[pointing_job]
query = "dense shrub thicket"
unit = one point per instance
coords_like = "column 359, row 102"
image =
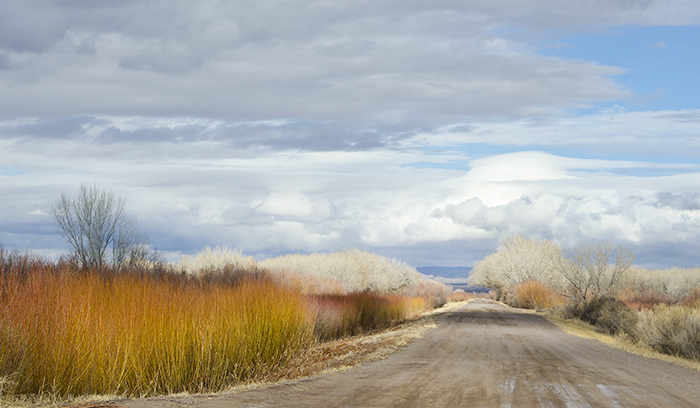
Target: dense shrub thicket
column 355, row 270
column 344, row 272
column 675, row 284
column 609, row 315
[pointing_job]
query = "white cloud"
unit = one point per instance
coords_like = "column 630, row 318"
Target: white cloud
column 202, row 190
column 518, row 167
column 296, row 205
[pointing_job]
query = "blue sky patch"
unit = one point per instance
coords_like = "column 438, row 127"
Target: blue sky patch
column 11, row 171
column 662, row 62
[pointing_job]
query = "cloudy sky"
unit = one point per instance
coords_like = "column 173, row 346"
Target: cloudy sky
column 421, row 130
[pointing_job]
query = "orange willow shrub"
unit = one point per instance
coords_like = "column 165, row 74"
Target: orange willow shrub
column 692, row 299
column 534, row 295
column 69, row 333
column 346, row 315
column 644, row 299
column 434, row 293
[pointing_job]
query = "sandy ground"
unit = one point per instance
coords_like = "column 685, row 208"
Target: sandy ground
column 482, row 355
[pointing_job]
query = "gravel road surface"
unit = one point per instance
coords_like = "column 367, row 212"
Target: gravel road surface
column 482, row 355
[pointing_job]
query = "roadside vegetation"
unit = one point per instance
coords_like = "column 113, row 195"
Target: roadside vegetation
column 114, row 319
column 597, row 284
column 201, row 325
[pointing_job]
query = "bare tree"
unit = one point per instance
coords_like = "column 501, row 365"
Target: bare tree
column 94, row 221
column 587, row 273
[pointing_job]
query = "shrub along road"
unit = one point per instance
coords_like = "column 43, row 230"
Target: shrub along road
column 482, row 355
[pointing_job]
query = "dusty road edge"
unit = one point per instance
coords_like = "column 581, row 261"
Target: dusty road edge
column 344, row 354
column 582, row 329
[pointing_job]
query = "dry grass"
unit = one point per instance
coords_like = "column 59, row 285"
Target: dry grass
column 332, row 356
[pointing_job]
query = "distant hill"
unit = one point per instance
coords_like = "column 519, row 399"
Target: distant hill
column 455, row 276
column 446, row 272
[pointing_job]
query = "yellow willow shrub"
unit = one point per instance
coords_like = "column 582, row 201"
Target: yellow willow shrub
column 73, row 334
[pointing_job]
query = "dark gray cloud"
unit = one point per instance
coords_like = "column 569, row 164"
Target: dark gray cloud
column 36, row 26
column 393, row 60
column 156, row 135
column 163, row 61
column 31, row 26
column 53, row 128
column 271, row 135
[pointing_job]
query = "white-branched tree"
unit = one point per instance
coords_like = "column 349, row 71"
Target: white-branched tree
column 95, row 224
column 583, row 273
column 593, row 270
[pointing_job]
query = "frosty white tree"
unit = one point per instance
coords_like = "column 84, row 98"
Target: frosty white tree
column 517, row 260
column 583, row 273
column 95, row 220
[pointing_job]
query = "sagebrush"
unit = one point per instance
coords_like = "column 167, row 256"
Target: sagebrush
column 672, row 330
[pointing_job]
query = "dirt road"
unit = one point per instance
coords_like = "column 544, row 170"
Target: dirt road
column 482, row 355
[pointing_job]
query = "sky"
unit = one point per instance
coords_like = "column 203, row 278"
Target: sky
column 421, row 130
